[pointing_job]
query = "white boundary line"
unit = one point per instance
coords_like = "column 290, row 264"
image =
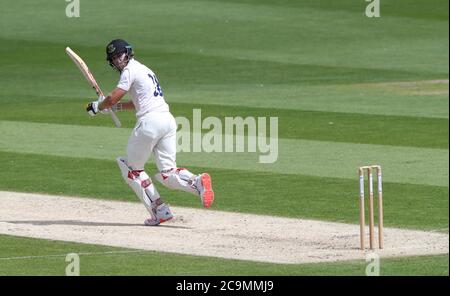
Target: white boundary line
column 81, row 254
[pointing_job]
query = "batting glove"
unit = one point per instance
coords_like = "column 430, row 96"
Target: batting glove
column 92, row 107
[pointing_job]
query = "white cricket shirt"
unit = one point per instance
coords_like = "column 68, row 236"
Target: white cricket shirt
column 143, row 86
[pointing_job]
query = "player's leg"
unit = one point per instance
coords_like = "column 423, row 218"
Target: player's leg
column 179, row 178
column 143, row 186
column 182, row 179
column 138, row 151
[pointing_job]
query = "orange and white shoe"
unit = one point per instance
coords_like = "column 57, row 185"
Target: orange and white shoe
column 204, row 186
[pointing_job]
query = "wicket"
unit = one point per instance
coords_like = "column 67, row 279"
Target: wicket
column 362, row 220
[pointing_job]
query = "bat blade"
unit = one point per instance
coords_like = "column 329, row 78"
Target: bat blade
column 78, row 61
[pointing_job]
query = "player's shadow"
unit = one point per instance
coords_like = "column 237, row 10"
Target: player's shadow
column 86, row 223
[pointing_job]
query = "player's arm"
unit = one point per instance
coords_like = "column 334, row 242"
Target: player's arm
column 113, row 98
column 111, row 101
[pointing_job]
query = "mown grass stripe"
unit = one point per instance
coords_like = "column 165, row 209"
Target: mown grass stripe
column 421, row 99
column 314, row 158
column 302, row 87
column 246, row 39
column 293, row 124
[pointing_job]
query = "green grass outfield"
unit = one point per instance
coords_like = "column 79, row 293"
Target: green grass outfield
column 348, row 90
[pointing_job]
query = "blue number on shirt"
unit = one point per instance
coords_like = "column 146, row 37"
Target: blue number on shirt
column 158, row 91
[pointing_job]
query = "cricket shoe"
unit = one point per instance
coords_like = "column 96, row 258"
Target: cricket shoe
column 151, row 222
column 204, row 186
column 160, row 215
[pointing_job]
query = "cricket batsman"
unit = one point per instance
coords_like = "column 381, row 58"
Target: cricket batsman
column 154, row 133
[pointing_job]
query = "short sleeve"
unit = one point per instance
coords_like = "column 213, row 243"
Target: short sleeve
column 125, row 80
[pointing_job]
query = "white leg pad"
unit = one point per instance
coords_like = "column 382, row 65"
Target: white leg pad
column 179, row 179
column 141, row 184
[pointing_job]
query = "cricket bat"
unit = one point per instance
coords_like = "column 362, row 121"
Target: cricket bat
column 90, row 78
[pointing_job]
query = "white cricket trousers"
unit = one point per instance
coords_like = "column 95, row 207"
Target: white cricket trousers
column 155, row 132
